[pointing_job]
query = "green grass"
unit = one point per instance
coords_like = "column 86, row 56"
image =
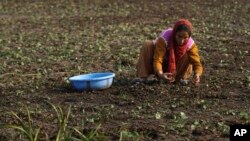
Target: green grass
column 25, row 127
column 64, row 133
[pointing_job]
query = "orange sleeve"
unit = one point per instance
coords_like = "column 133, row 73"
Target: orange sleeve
column 159, row 53
column 195, row 59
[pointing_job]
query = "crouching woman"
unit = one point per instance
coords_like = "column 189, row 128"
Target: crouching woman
column 173, row 56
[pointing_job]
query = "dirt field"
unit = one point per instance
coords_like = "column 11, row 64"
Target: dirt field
column 43, row 43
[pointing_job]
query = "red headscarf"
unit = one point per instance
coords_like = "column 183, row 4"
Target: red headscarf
column 176, row 51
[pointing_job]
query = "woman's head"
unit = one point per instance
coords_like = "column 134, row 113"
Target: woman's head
column 182, row 31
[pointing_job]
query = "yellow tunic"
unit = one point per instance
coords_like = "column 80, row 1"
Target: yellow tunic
column 160, row 52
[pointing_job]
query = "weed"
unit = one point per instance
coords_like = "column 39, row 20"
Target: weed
column 127, row 134
column 64, row 133
column 26, row 128
column 92, row 135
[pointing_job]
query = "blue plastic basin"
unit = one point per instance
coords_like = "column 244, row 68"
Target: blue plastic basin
column 92, row 81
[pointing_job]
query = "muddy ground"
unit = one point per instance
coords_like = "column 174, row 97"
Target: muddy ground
column 43, row 43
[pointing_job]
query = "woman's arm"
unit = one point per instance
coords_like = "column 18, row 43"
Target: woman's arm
column 159, row 53
column 195, row 60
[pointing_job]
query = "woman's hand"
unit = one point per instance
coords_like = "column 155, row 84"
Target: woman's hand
column 196, row 79
column 166, row 76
